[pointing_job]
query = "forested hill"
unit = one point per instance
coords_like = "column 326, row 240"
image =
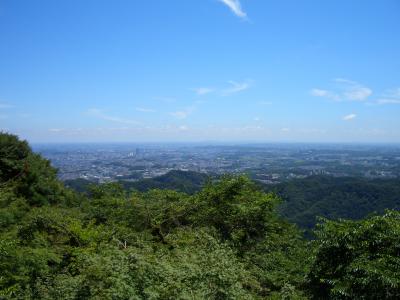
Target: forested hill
column 225, row 242
column 181, row 181
column 335, row 197
column 303, row 200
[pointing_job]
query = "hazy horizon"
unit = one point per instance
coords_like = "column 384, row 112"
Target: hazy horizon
column 223, row 144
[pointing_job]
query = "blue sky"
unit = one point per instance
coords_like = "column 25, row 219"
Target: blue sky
column 200, row 70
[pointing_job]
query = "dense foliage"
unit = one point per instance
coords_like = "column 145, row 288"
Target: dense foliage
column 225, row 242
column 182, row 181
column 357, row 260
column 303, row 199
column 335, row 197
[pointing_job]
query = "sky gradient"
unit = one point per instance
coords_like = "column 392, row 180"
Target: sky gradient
column 200, row 70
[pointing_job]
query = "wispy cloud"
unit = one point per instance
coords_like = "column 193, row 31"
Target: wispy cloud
column 349, row 117
column 354, row 91
column 346, row 90
column 264, row 102
column 101, row 115
column 183, row 128
column 390, row 97
column 146, row 110
column 236, row 87
column 324, row 93
column 203, row 90
column 183, row 114
column 388, row 101
column 4, row 106
column 180, row 114
column 395, row 93
column 319, row 93
column 235, row 7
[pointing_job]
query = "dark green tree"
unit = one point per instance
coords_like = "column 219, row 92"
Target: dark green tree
column 28, row 174
column 13, row 157
column 357, row 259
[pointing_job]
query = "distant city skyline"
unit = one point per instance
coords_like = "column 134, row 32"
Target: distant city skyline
column 200, row 71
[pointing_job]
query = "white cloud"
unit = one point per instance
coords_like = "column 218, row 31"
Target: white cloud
column 101, row 115
column 353, row 91
column 180, row 114
column 143, row 109
column 183, row 114
column 394, row 93
column 390, row 97
column 349, row 117
column 285, row 129
column 203, row 90
column 236, row 87
column 183, row 128
column 346, row 90
column 235, row 7
column 319, row 93
column 358, row 93
column 325, row 93
column 388, row 101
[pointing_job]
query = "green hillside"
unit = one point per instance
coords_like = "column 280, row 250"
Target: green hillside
column 331, row 197
column 303, row 200
column 181, row 181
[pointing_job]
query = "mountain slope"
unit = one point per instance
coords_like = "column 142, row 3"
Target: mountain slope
column 333, row 198
column 182, row 181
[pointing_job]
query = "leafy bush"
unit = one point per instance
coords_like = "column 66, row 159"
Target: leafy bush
column 357, row 259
